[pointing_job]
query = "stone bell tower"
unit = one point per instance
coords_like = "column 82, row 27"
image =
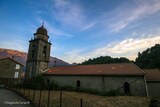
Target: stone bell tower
column 38, row 53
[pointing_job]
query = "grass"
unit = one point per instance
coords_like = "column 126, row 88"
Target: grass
column 72, row 99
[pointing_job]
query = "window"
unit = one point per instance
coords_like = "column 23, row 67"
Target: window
column 126, row 88
column 16, row 74
column 44, row 52
column 17, row 66
column 48, row 81
column 30, row 71
column 34, row 46
column 78, row 83
column 33, row 52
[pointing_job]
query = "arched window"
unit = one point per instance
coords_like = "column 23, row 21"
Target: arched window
column 48, row 81
column 78, row 83
column 34, row 46
column 33, row 52
column 126, row 88
column 44, row 52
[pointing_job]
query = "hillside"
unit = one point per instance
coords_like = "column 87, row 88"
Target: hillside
column 22, row 57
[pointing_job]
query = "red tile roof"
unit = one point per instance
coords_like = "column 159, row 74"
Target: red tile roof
column 11, row 60
column 101, row 69
column 152, row 74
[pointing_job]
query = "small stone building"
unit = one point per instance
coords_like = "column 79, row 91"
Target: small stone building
column 9, row 68
column 153, row 82
column 126, row 78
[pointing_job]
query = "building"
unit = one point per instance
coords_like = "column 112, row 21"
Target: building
column 153, row 82
column 9, row 68
column 38, row 53
column 126, row 78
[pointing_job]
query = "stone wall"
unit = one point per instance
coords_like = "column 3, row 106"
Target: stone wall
column 153, row 88
column 8, row 68
column 103, row 83
column 137, row 84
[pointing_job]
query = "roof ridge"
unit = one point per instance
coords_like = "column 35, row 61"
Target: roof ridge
column 93, row 64
column 12, row 60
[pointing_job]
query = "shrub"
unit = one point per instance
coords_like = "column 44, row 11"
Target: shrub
column 38, row 82
column 53, row 85
column 154, row 102
column 112, row 93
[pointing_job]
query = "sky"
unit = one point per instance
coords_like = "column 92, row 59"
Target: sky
column 82, row 29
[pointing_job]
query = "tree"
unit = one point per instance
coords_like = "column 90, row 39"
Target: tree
column 150, row 58
column 104, row 60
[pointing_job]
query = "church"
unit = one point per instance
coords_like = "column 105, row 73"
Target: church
column 127, row 78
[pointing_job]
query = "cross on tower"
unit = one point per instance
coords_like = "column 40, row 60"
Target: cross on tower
column 43, row 23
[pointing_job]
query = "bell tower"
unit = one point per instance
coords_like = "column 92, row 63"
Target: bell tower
column 38, row 53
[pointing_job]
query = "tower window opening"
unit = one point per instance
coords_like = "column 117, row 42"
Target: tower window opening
column 33, row 52
column 44, row 51
column 34, row 46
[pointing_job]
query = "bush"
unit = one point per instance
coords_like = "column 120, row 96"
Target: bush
column 53, row 86
column 112, row 93
column 90, row 91
column 154, row 102
column 37, row 82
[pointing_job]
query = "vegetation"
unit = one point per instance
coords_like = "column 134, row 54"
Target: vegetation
column 154, row 102
column 150, row 58
column 105, row 60
column 90, row 91
column 37, row 82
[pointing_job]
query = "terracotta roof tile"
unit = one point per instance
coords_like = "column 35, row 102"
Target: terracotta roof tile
column 101, row 69
column 152, row 74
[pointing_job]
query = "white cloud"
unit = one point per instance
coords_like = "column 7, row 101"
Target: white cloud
column 127, row 48
column 61, row 2
column 126, row 14
column 71, row 15
column 90, row 25
column 68, row 13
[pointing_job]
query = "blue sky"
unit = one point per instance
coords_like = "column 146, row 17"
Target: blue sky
column 82, row 29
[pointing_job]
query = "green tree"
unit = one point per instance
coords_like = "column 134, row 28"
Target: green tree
column 104, row 60
column 150, row 58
